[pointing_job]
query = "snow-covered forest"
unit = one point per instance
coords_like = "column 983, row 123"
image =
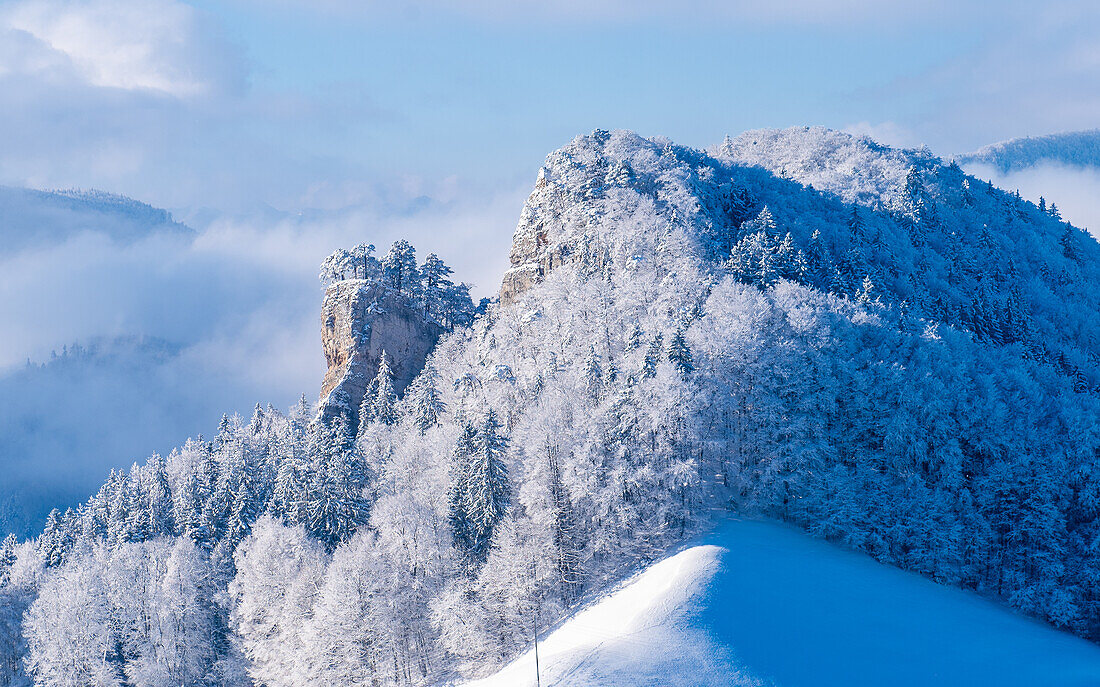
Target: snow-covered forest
column 797, row 325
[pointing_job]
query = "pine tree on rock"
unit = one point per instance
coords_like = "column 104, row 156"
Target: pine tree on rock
column 399, row 270
column 436, row 284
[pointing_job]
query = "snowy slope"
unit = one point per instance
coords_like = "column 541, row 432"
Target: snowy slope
column 794, row 611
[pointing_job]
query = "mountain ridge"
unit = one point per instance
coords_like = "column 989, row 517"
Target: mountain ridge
column 1076, row 148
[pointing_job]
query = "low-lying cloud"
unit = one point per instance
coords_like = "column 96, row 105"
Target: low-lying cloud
column 183, row 327
column 1075, row 189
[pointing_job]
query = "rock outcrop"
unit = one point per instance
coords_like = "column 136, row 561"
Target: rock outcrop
column 532, row 255
column 360, row 318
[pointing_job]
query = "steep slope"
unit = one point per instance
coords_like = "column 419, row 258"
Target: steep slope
column 360, row 321
column 755, row 603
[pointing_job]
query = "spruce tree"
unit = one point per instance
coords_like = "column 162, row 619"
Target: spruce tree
column 461, row 456
column 424, row 400
column 593, row 375
column 653, row 356
column 334, row 502
column 679, row 354
column 7, row 558
column 855, row 226
column 1070, row 248
column 158, row 497
column 384, row 404
column 486, row 485
column 50, row 542
column 819, row 264
column 290, row 484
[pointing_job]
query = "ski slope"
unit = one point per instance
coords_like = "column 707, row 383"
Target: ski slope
column 758, row 603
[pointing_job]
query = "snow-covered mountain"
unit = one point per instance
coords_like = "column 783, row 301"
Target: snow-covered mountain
column 1077, row 148
column 866, row 343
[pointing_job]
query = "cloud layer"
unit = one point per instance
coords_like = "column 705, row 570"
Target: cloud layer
column 150, row 45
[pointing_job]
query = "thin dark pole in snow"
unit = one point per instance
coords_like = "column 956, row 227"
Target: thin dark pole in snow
column 535, row 624
column 538, row 683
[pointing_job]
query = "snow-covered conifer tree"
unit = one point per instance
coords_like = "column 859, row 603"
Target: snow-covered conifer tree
column 424, row 400
column 487, row 489
column 384, row 404
column 679, row 353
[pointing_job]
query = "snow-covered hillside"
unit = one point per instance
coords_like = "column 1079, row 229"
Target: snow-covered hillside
column 29, row 217
column 1080, row 148
column 757, row 603
column 799, row 325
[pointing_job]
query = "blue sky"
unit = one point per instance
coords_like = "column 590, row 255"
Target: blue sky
column 231, row 104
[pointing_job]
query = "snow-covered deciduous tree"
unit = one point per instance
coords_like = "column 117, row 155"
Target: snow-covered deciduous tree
column 280, row 572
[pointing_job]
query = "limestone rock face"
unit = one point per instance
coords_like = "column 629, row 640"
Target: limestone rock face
column 359, row 320
column 537, row 246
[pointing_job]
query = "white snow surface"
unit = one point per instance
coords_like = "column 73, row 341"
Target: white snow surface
column 758, row 603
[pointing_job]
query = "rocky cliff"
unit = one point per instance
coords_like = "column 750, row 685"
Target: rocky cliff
column 532, row 255
column 360, row 318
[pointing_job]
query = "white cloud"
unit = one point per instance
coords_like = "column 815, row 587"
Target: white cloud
column 1075, row 189
column 157, row 45
column 240, row 304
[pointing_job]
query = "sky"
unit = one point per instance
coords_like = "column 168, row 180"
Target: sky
column 235, row 104
column 283, row 129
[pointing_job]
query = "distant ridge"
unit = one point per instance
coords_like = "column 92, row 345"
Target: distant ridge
column 31, row 217
column 1079, row 148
